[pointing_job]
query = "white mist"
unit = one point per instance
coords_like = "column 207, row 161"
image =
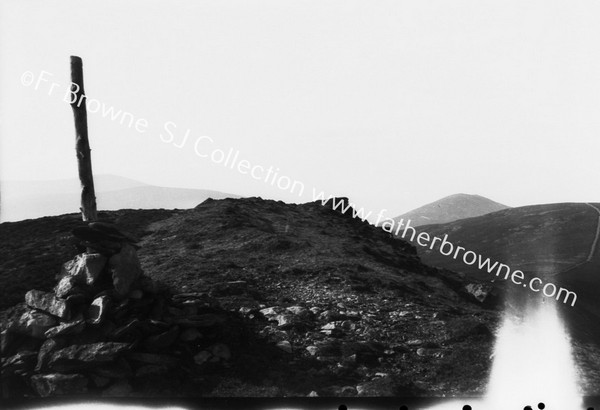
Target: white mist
column 533, row 362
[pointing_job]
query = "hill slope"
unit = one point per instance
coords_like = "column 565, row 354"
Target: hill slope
column 541, row 239
column 451, row 208
column 367, row 304
column 557, row 242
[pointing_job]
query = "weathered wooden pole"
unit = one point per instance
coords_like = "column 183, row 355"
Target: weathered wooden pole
column 82, row 143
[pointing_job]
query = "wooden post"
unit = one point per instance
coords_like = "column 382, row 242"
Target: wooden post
column 82, row 144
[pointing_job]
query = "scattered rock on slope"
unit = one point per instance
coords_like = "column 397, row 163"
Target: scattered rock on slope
column 257, row 298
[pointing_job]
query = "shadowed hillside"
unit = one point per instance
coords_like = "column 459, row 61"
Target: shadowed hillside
column 545, row 239
column 327, row 303
column 556, row 242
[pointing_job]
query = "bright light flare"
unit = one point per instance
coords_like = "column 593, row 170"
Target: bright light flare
column 533, row 362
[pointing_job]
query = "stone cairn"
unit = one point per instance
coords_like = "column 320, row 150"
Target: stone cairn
column 107, row 329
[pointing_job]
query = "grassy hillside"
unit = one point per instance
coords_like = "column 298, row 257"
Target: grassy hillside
column 451, row 208
column 373, row 320
column 549, row 241
column 542, row 239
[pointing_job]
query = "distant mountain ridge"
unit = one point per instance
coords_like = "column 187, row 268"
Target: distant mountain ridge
column 33, row 199
column 451, row 208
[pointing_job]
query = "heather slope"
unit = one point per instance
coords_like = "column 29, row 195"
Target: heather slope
column 556, row 242
column 379, row 321
column 543, row 239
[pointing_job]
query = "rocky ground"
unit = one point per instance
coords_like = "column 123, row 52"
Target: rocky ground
column 243, row 297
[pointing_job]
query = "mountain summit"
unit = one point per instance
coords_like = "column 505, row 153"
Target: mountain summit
column 451, row 208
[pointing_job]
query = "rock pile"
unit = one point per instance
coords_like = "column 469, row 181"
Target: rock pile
column 106, row 329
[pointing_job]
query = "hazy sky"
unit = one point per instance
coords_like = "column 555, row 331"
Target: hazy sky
column 392, row 103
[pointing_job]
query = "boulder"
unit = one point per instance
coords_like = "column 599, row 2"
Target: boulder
column 72, row 327
column 269, row 312
column 77, row 357
column 66, row 286
column 34, row 323
column 300, row 311
column 423, row 351
column 331, row 316
column 5, row 341
column 479, row 291
column 249, row 312
column 285, row 345
column 125, row 268
column 97, row 310
column 285, row 321
column 348, row 391
column 332, row 329
column 48, row 303
column 57, row 384
column 379, row 387
column 21, row 363
column 312, row 350
column 274, row 335
column 86, row 268
column 45, row 353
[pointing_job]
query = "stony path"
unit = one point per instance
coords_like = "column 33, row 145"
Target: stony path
column 595, row 242
column 594, row 246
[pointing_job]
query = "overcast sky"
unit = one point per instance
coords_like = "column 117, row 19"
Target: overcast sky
column 392, row 103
